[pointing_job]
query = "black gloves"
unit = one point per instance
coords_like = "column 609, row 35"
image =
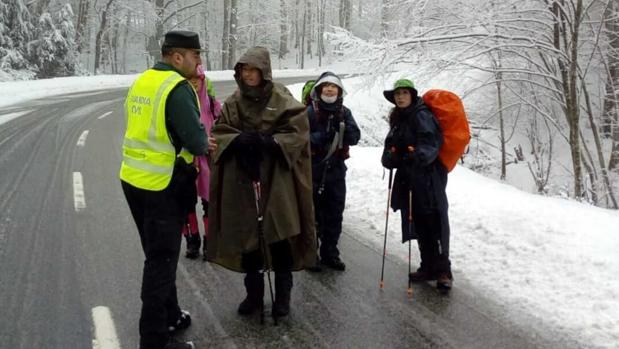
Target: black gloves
column 249, row 148
column 395, row 157
column 247, row 140
column 391, row 159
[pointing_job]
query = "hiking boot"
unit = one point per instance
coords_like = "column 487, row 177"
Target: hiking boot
column 204, row 249
column 283, row 287
column 444, row 281
column 179, row 345
column 316, row 267
column 183, row 321
column 193, row 246
column 254, row 285
column 421, row 275
column 334, row 263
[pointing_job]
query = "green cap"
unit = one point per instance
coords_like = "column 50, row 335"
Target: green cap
column 401, row 83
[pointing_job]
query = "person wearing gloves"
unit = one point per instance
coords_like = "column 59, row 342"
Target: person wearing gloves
column 210, row 108
column 260, row 212
column 411, row 147
column 332, row 131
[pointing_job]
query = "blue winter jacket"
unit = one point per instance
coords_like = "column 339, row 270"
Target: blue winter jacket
column 323, row 126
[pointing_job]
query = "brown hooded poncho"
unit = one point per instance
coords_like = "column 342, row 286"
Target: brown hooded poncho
column 285, row 177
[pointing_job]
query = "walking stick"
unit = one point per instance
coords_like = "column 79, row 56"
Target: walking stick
column 382, row 269
column 409, row 291
column 263, row 247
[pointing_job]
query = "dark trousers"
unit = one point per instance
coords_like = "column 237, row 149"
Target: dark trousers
column 329, row 213
column 281, row 255
column 426, row 228
column 158, row 216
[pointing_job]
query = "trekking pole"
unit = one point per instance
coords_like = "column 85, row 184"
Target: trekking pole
column 382, row 269
column 409, row 291
column 263, row 247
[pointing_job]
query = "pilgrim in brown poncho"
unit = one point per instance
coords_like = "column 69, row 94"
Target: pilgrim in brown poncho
column 263, row 117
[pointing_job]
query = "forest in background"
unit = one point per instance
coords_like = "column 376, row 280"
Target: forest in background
column 544, row 70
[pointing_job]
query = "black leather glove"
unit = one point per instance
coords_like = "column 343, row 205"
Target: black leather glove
column 269, row 144
column 408, row 156
column 247, row 140
column 391, row 159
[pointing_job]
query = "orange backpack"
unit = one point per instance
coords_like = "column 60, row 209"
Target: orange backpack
column 449, row 111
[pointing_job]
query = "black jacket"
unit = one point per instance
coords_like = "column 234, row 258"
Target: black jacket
column 411, row 147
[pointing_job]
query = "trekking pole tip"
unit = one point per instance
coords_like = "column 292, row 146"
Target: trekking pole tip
column 382, row 285
column 409, row 292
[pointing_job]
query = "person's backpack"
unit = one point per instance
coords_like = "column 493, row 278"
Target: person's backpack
column 449, row 111
column 306, row 92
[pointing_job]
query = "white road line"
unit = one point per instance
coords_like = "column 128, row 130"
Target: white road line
column 79, row 199
column 82, row 140
column 105, row 332
column 104, row 115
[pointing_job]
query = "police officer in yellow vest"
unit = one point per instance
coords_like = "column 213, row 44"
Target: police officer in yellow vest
column 163, row 131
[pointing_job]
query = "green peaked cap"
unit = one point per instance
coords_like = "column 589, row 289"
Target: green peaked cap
column 401, row 83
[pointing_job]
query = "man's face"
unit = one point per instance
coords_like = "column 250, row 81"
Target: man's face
column 251, row 76
column 329, row 89
column 186, row 61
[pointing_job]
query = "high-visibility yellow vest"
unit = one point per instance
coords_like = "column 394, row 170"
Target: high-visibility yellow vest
column 148, row 153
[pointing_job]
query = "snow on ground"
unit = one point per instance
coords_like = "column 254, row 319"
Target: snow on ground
column 18, row 91
column 552, row 259
column 549, row 258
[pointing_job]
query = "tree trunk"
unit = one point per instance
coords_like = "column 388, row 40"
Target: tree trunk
column 501, row 124
column 232, row 41
column 611, row 100
column 81, row 30
column 611, row 103
column 207, row 46
column 567, row 29
column 100, row 32
column 598, row 146
column 310, row 27
column 321, row 31
column 283, row 30
column 302, row 47
column 385, row 15
column 345, row 12
column 225, row 43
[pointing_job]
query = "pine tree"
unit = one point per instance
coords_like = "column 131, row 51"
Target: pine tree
column 15, row 32
column 54, row 51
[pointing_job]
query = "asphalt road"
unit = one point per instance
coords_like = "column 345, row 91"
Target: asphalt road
column 62, row 254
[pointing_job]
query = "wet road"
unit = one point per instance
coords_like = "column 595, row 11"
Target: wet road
column 63, row 254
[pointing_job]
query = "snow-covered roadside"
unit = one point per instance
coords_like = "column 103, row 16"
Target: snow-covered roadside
column 18, row 91
column 549, row 258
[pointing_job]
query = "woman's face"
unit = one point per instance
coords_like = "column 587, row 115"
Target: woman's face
column 251, row 76
column 402, row 97
column 329, row 89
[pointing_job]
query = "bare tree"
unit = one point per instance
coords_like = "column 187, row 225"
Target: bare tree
column 283, row 28
column 232, row 33
column 103, row 27
column 225, row 38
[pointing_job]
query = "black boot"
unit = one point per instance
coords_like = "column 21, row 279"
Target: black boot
column 193, row 246
column 283, row 287
column 204, row 248
column 254, row 285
